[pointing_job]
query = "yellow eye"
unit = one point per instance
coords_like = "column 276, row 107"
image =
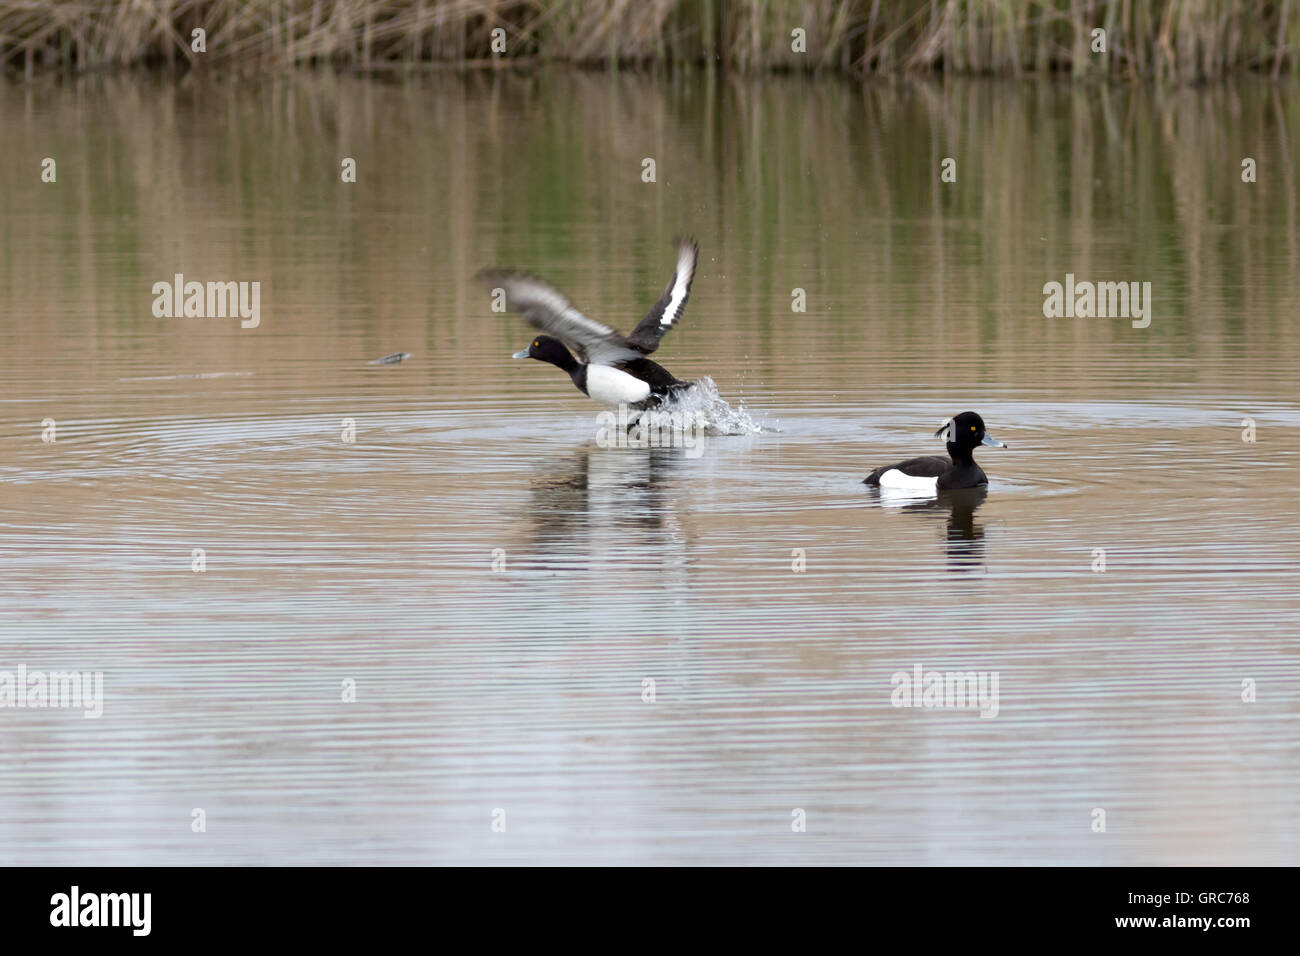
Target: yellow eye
column 972, row 428
column 537, row 344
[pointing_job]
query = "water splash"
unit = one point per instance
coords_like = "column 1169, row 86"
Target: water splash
column 703, row 402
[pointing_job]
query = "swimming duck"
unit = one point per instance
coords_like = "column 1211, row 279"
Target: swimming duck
column 934, row 473
column 606, row 365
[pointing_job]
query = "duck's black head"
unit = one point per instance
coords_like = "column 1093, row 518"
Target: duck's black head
column 547, row 349
column 965, row 432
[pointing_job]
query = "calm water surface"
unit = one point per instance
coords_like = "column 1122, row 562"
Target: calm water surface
column 521, row 688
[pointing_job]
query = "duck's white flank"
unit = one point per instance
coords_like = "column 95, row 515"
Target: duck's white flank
column 611, row 386
column 915, row 484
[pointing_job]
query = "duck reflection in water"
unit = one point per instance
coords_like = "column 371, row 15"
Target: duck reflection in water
column 964, row 537
column 597, row 503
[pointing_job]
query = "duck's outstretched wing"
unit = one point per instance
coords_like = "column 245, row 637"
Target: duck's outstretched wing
column 545, row 308
column 665, row 313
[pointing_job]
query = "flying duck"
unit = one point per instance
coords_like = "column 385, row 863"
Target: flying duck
column 606, row 365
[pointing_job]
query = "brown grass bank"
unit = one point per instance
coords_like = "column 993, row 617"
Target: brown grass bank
column 1170, row 40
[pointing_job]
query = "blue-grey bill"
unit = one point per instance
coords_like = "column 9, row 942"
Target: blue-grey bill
column 523, row 354
column 991, row 441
